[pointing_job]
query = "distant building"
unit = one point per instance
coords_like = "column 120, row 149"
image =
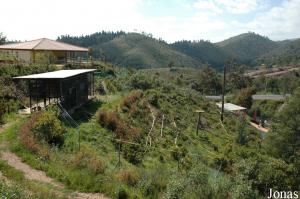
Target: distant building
column 231, row 107
column 44, row 49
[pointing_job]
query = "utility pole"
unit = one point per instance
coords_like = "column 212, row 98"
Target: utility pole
column 223, row 92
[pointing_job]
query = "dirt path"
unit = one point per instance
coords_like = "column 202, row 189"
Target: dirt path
column 29, row 173
column 32, row 174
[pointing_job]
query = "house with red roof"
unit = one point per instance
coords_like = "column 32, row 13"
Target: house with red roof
column 44, row 49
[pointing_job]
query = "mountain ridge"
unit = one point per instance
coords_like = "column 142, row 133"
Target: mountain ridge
column 143, row 51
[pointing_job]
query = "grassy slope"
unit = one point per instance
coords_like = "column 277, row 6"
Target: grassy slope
column 158, row 167
column 18, row 186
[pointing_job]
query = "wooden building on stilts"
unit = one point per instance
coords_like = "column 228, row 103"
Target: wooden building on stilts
column 69, row 88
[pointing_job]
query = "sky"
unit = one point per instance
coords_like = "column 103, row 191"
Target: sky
column 171, row 20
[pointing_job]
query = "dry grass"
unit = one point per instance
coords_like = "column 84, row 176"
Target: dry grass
column 87, row 159
column 129, row 100
column 129, row 177
column 112, row 121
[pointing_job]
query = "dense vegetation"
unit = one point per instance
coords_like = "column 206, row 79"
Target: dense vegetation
column 138, row 139
column 133, row 49
column 248, row 46
column 223, row 160
column 203, row 51
column 287, row 53
column 142, row 51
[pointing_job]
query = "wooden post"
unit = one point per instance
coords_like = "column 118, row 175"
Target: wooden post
column 30, row 95
column 199, row 118
column 48, row 87
column 36, row 93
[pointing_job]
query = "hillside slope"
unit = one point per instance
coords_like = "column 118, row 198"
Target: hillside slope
column 287, row 53
column 132, row 49
column 248, row 46
column 139, row 51
column 142, row 51
column 203, row 51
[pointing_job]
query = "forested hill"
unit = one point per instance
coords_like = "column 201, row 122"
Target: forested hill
column 142, row 51
column 204, row 51
column 287, row 52
column 248, row 46
column 133, row 49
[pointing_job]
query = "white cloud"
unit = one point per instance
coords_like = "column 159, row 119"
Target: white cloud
column 207, row 6
column 33, row 19
column 239, row 6
column 279, row 22
column 50, row 18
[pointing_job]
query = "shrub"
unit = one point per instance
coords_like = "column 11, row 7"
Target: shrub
column 87, row 159
column 141, row 82
column 122, row 193
column 154, row 181
column 11, row 191
column 47, row 127
column 2, row 111
column 111, row 121
column 133, row 153
column 129, row 177
column 175, row 189
column 26, row 136
column 129, row 100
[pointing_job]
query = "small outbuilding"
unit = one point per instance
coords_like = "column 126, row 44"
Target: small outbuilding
column 44, row 50
column 70, row 88
column 231, row 107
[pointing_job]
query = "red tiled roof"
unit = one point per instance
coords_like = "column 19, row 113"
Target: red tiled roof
column 43, row 44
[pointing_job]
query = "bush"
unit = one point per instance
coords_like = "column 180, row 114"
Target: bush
column 129, row 177
column 111, row 121
column 129, row 100
column 87, row 159
column 154, row 181
column 28, row 139
column 122, row 193
column 47, row 127
column 11, row 191
column 175, row 189
column 108, row 120
column 133, row 153
column 141, row 82
column 2, row 111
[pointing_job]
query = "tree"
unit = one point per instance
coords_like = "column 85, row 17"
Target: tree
column 2, row 38
column 171, row 64
column 243, row 97
column 285, row 131
column 236, row 78
column 49, row 128
column 283, row 141
column 209, row 81
column 241, row 128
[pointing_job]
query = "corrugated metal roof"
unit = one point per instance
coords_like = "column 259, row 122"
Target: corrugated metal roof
column 43, row 44
column 231, row 107
column 60, row 74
